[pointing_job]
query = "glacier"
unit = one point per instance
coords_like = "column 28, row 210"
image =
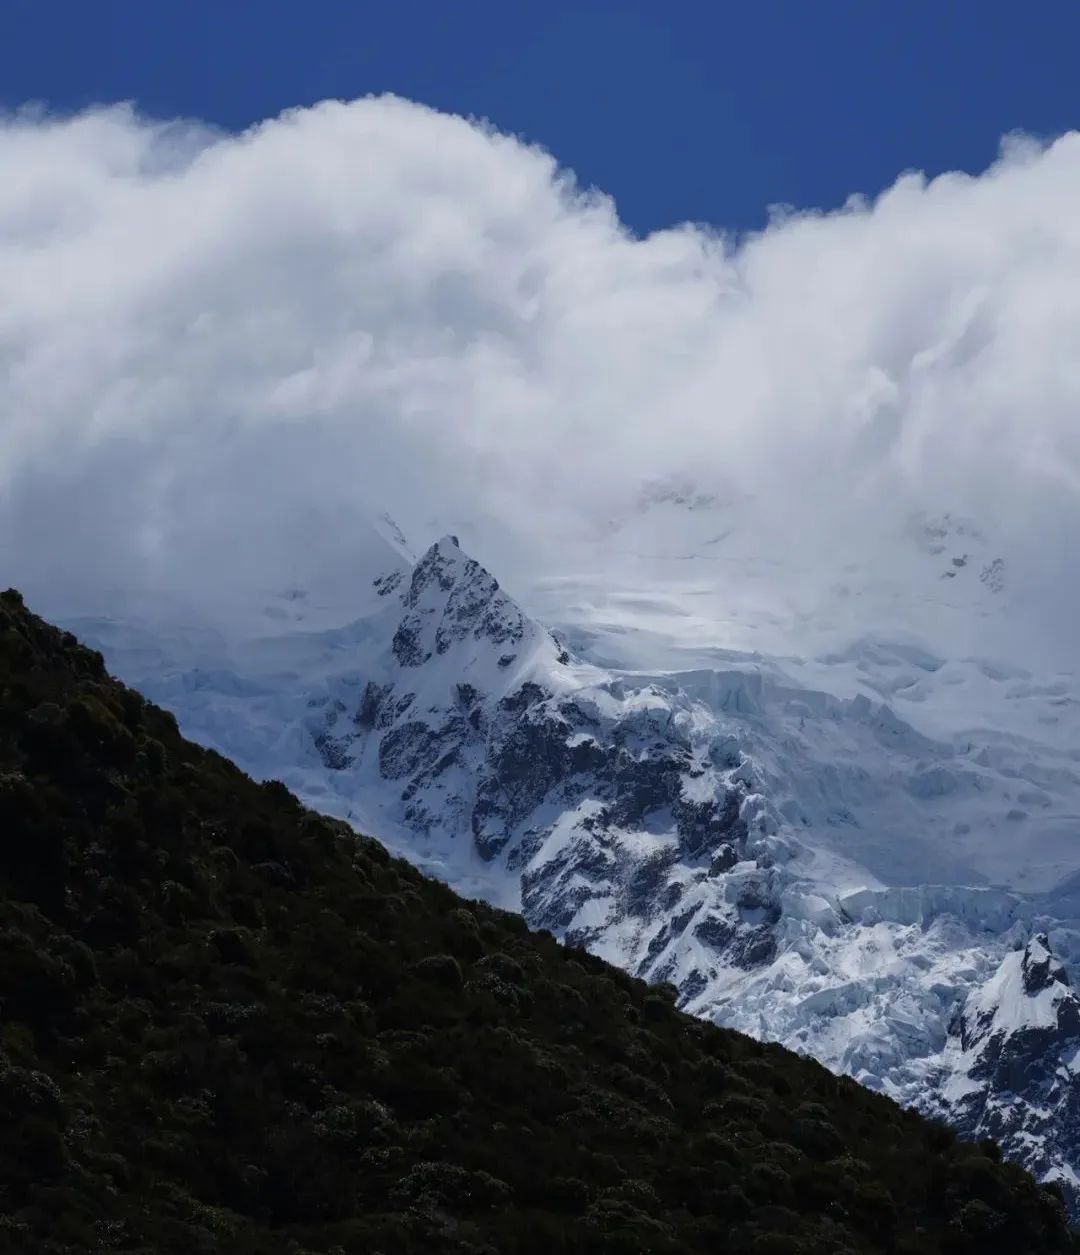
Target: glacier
column 866, row 850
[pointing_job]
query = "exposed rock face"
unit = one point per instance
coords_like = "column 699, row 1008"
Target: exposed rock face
column 616, row 808
column 1018, row 1079
column 451, row 599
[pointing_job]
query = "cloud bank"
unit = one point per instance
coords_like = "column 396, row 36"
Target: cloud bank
column 220, row 354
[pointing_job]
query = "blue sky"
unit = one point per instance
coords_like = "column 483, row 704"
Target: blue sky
column 702, row 111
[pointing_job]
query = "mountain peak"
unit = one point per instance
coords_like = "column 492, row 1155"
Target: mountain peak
column 452, row 600
column 1029, row 992
column 1040, row 966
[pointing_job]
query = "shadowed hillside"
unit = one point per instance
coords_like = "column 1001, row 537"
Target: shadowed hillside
column 230, row 1025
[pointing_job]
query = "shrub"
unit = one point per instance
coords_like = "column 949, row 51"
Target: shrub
column 440, row 969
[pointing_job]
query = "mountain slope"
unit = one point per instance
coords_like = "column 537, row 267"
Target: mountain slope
column 804, row 865
column 229, row 1024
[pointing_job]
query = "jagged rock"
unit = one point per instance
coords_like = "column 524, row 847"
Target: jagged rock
column 1020, row 1040
column 559, row 778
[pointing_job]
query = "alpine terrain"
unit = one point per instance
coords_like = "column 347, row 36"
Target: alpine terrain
column 868, row 854
column 230, row 1024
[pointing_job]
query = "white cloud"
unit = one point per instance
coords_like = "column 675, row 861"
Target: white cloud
column 219, row 353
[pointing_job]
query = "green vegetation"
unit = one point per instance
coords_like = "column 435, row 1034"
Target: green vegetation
column 230, row 1025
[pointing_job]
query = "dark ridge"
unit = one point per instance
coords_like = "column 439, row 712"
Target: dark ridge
column 230, row 1025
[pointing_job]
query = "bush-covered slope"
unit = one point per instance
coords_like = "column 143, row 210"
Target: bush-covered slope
column 230, row 1025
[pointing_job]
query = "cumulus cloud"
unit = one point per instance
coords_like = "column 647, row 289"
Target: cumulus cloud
column 221, row 354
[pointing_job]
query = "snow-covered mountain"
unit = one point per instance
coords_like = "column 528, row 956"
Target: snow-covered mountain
column 846, row 853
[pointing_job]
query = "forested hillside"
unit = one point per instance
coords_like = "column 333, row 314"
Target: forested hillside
column 230, row 1025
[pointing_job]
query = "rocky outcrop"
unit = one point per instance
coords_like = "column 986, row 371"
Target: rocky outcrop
column 1018, row 1080
column 616, row 807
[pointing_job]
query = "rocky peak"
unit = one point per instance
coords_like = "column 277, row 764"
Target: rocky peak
column 1040, row 969
column 452, row 599
column 1028, row 994
column 437, row 571
column 1019, row 1082
column 614, row 805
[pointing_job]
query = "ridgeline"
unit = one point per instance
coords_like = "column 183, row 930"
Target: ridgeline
column 228, row 1024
